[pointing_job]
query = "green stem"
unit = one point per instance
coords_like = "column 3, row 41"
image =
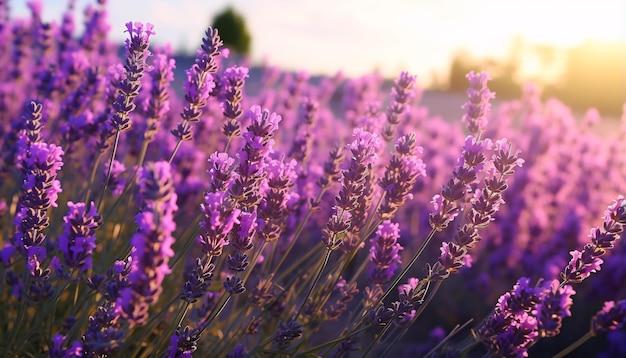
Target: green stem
column 22, row 309
column 333, row 342
column 417, row 315
column 216, row 313
column 180, row 141
column 106, row 182
column 318, row 275
column 574, row 345
column 408, row 267
column 299, row 230
column 172, row 326
column 92, row 177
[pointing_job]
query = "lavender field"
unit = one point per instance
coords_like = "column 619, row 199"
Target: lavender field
column 220, row 214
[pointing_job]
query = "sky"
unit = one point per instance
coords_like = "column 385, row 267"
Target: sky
column 360, row 36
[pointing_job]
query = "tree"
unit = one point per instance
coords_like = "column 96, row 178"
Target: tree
column 233, row 31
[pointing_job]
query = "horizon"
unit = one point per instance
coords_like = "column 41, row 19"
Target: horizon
column 328, row 37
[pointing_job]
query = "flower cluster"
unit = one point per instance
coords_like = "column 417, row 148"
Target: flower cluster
column 134, row 68
column 78, row 239
column 585, row 262
column 294, row 219
column 353, row 185
column 199, row 84
column 478, row 106
column 151, row 244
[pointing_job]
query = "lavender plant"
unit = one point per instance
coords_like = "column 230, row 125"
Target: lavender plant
column 310, row 218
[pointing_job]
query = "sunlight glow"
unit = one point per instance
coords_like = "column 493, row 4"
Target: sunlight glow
column 359, row 36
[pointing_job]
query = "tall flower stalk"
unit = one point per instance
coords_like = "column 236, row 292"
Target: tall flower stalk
column 198, row 86
column 137, row 54
column 151, row 244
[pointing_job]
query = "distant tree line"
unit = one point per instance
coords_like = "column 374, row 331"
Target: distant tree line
column 592, row 74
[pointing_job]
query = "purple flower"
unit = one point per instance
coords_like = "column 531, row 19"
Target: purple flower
column 221, row 171
column 134, row 68
column 365, row 146
column 453, row 193
column 384, row 253
column 231, row 93
column 116, row 181
column 477, row 107
column 158, row 104
column 239, row 352
column 401, row 94
column 407, row 289
column 40, row 190
column 585, row 262
column 301, row 146
column 220, row 216
column 554, row 306
column 287, row 333
column 199, row 83
column 346, row 293
column 259, row 143
column 400, row 176
column 58, row 351
column 217, row 214
column 611, row 317
column 511, row 328
column 234, row 285
column 151, row 243
column 274, row 207
column 184, row 342
column 78, row 239
column 241, row 238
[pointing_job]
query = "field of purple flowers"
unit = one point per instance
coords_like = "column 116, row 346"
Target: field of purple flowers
column 321, row 218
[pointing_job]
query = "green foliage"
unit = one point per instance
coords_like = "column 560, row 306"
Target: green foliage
column 233, row 31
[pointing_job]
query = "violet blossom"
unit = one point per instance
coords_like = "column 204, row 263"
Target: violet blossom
column 151, row 243
column 78, row 239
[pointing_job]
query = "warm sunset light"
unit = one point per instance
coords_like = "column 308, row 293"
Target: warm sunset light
column 357, row 36
column 313, row 178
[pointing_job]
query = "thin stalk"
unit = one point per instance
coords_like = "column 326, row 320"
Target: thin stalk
column 172, row 326
column 299, row 230
column 92, row 177
column 180, row 141
column 318, row 275
column 417, row 315
column 255, row 257
column 149, row 328
column 187, row 244
column 216, row 313
column 22, row 310
column 228, row 140
column 574, row 345
column 259, row 346
column 106, row 182
column 452, row 333
column 369, row 225
column 408, row 267
column 379, row 336
column 332, row 342
column 298, row 263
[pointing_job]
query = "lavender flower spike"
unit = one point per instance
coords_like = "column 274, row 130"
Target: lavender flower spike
column 583, row 263
column 151, row 243
column 40, row 191
column 199, row 84
column 477, row 107
column 384, row 253
column 134, row 68
column 78, row 239
column 612, row 316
